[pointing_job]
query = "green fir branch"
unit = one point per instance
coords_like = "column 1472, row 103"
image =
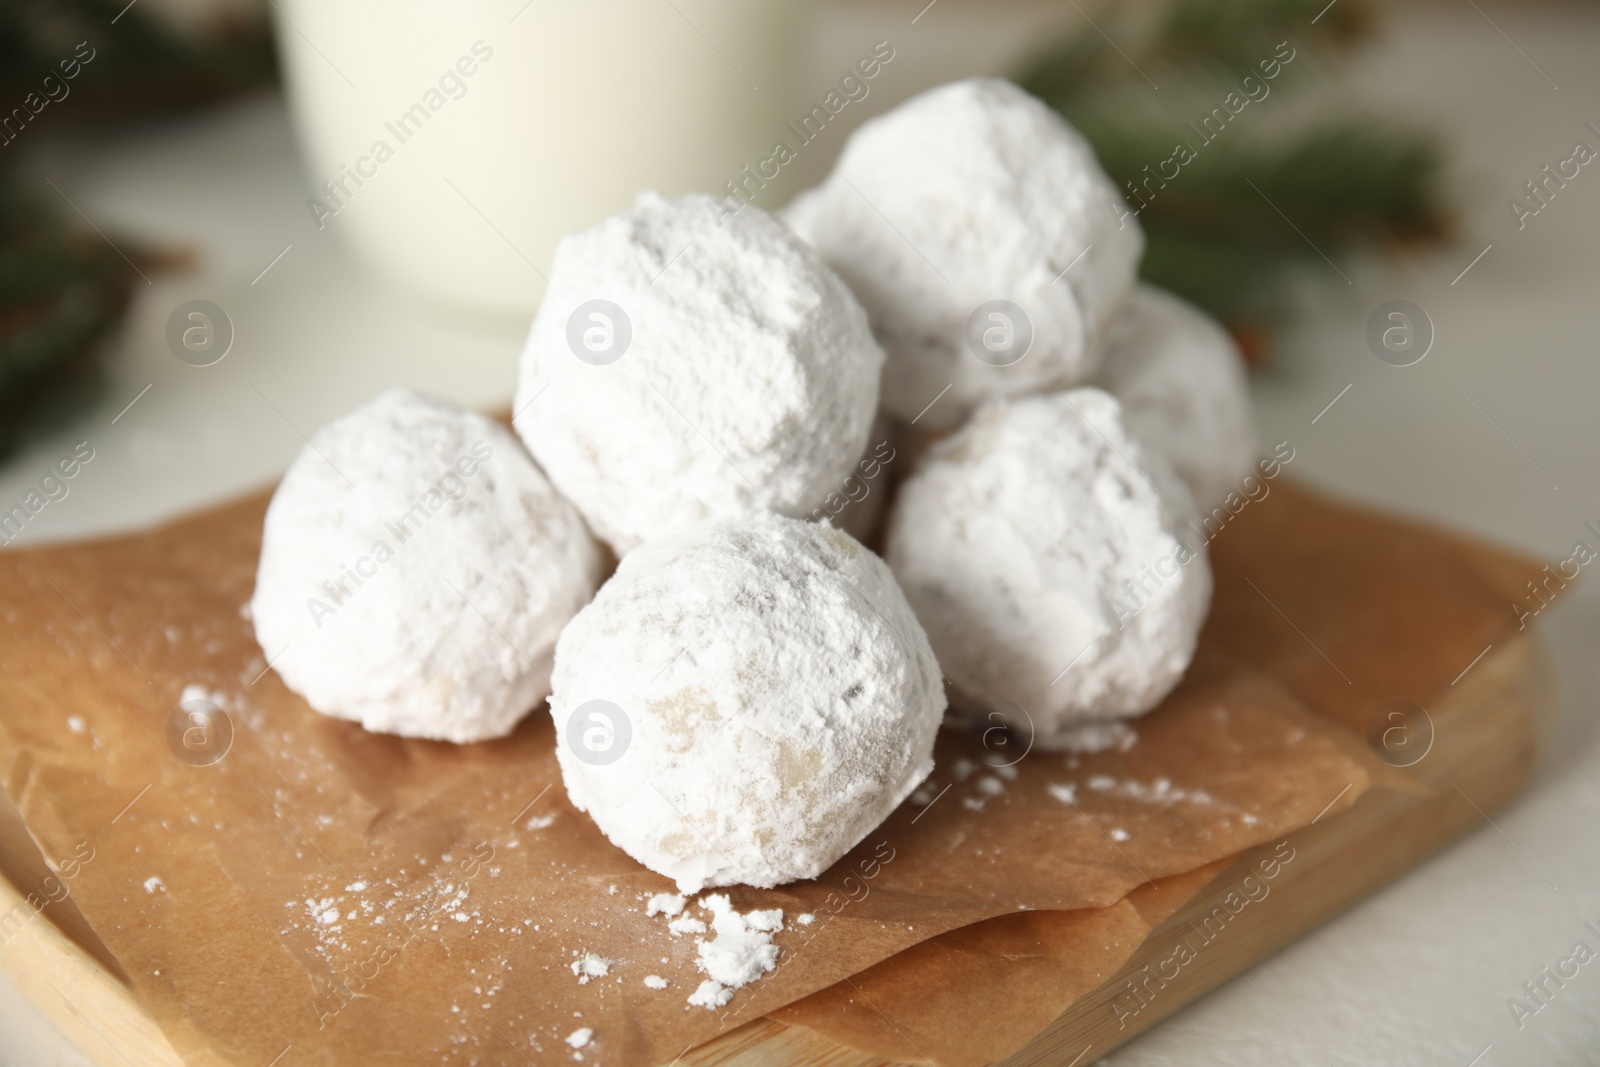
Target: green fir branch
column 1219, row 231
column 64, row 290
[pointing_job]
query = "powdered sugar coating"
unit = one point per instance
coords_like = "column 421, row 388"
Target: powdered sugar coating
column 748, row 383
column 782, row 701
column 974, row 192
column 1022, row 542
column 424, row 595
column 1182, row 385
column 859, row 503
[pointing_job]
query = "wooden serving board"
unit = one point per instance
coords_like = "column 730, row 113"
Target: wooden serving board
column 1487, row 729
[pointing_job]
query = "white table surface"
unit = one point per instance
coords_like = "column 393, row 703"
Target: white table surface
column 1494, row 432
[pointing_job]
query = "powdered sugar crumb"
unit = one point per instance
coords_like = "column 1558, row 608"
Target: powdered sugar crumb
column 1096, row 737
column 590, row 966
column 664, row 904
column 710, row 994
column 741, row 952
column 1159, row 791
column 200, row 692
column 655, row 981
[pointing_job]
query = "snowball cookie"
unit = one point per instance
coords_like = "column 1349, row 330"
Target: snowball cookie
column 1182, row 385
column 687, row 366
column 1050, row 573
column 423, row 596
column 744, row 702
column 952, row 212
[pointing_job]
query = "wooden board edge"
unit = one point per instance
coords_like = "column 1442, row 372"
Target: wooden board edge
column 89, row 1005
column 1486, row 745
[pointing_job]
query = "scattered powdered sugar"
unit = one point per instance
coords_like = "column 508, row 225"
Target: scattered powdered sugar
column 1160, row 792
column 200, row 692
column 741, row 952
column 154, row 883
column 323, row 911
column 805, row 919
column 1093, row 737
column 655, row 981
column 347, row 923
column 590, row 966
column 710, row 994
column 664, row 904
column 1119, row 834
column 75, row 724
column 781, row 700
column 580, row 1037
column 687, row 925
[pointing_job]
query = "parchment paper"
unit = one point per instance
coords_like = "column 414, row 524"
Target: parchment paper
column 324, row 895
column 975, row 994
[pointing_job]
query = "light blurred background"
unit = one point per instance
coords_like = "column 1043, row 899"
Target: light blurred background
column 187, row 160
